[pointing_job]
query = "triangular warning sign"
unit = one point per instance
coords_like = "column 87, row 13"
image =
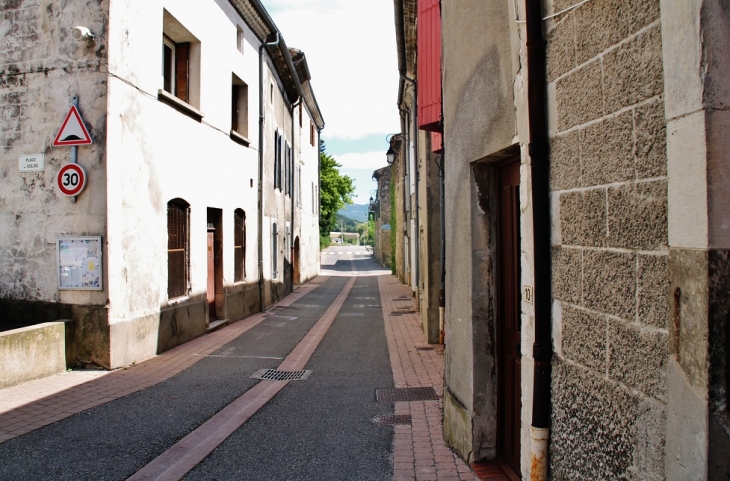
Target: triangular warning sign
column 73, row 131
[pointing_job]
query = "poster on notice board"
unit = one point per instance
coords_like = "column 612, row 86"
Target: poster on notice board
column 79, row 263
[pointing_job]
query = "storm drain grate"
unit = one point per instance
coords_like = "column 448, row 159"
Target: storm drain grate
column 391, row 419
column 424, row 348
column 406, row 394
column 276, row 375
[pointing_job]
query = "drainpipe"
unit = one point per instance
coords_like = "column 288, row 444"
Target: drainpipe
column 261, row 168
column 540, row 171
column 442, row 287
column 291, row 191
column 414, row 94
column 319, row 186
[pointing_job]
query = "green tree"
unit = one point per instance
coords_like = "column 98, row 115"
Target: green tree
column 335, row 191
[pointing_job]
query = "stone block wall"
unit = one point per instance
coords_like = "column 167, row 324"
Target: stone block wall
column 382, row 236
column 610, row 251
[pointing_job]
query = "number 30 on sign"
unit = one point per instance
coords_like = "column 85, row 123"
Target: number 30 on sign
column 71, row 179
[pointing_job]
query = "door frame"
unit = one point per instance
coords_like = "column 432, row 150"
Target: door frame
column 498, row 329
column 215, row 225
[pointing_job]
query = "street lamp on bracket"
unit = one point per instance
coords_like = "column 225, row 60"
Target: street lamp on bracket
column 390, row 154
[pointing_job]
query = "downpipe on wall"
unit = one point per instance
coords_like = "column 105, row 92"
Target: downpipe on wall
column 540, row 176
column 261, row 170
column 291, row 191
column 442, row 287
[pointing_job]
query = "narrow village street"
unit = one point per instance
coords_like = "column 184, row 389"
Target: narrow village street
column 195, row 412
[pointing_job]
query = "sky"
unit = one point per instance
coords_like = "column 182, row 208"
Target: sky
column 351, row 51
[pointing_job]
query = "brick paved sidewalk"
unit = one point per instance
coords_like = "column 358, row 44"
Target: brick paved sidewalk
column 420, row 452
column 35, row 404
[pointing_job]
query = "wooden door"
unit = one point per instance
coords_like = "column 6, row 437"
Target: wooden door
column 508, row 326
column 295, row 262
column 211, row 276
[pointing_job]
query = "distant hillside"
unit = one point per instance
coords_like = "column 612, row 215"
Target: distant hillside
column 359, row 212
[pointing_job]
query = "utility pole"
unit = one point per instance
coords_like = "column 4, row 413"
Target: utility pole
column 342, row 233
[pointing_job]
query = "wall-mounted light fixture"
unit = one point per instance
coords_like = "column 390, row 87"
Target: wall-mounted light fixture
column 81, row 33
column 390, row 154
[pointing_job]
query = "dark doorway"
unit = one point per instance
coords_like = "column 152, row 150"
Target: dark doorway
column 295, row 263
column 215, row 264
column 508, row 322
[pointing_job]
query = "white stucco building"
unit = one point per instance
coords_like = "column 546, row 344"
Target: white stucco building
column 199, row 113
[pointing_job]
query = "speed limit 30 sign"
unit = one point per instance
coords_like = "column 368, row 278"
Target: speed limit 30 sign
column 71, row 179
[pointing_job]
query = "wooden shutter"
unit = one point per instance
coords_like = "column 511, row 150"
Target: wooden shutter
column 429, row 65
column 182, row 51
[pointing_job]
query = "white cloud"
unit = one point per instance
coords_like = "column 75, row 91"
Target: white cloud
column 370, row 161
column 351, row 51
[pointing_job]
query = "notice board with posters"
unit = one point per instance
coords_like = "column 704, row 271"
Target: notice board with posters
column 79, row 263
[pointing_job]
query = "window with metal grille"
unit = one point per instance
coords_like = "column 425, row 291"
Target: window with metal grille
column 178, row 212
column 239, row 226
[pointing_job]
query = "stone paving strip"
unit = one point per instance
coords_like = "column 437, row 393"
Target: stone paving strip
column 419, row 450
column 35, row 404
column 174, row 463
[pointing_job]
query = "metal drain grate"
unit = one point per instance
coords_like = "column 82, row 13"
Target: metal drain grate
column 424, row 348
column 276, row 375
column 406, row 394
column 400, row 313
column 391, row 419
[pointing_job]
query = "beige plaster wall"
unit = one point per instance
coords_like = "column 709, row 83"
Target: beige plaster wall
column 479, row 121
column 42, row 67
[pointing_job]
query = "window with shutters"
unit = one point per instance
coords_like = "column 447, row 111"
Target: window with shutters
column 239, row 245
column 277, row 159
column 287, row 168
column 311, row 133
column 180, row 67
column 178, row 259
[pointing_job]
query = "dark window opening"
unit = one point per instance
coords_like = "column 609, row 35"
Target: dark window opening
column 239, row 106
column 178, row 212
column 239, row 221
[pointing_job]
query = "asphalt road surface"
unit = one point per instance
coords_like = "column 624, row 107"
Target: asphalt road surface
column 314, row 429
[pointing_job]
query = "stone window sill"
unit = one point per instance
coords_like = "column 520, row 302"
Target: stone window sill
column 179, row 105
column 238, row 138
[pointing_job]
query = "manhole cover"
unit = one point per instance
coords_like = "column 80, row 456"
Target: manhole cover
column 391, row 419
column 406, row 394
column 275, row 375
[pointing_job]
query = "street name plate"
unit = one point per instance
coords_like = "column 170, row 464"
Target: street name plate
column 32, row 163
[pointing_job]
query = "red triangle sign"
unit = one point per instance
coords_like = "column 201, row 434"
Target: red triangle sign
column 73, row 131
